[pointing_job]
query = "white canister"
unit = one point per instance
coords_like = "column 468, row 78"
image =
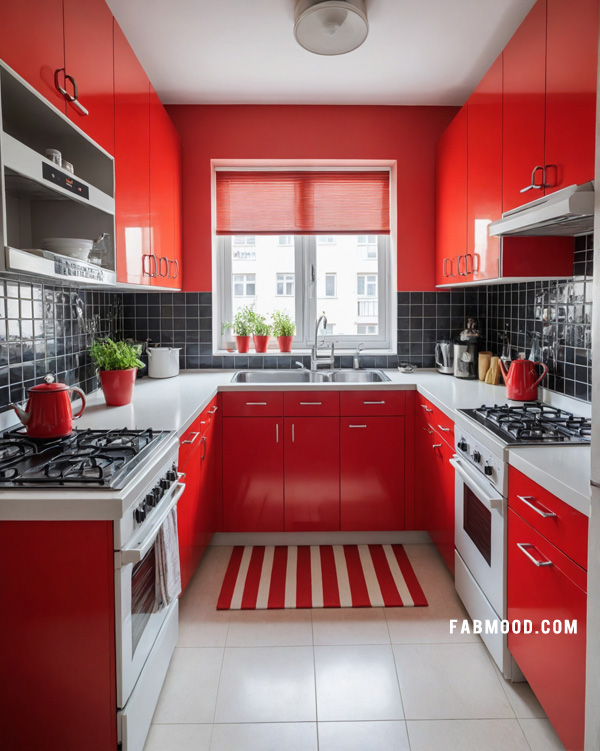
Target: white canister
column 163, row 362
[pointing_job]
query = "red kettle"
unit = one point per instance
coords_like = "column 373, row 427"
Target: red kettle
column 522, row 379
column 48, row 412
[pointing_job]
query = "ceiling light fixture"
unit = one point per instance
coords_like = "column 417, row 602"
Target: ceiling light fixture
column 331, row 27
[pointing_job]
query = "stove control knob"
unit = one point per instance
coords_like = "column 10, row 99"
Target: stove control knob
column 149, row 501
column 165, row 484
column 172, row 475
column 488, row 470
column 139, row 514
column 158, row 493
column 476, row 456
column 462, row 445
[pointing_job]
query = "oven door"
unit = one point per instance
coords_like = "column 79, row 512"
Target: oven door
column 480, row 531
column 139, row 618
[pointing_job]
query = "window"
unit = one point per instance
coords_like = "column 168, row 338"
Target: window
column 368, row 247
column 367, row 308
column 286, row 240
column 285, row 284
column 366, row 285
column 244, row 285
column 330, row 285
column 244, row 254
column 367, row 239
column 244, row 240
column 326, row 240
column 329, row 329
column 366, row 328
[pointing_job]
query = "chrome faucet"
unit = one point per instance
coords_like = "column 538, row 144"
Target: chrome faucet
column 356, row 359
column 317, row 360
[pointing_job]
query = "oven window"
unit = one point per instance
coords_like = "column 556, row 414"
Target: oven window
column 478, row 524
column 143, row 596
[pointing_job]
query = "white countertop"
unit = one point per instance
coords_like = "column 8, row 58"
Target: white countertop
column 174, row 403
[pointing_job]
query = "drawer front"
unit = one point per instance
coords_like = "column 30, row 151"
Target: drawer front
column 253, row 403
column 311, row 403
column 190, row 439
column 558, row 522
column 436, row 418
column 372, row 402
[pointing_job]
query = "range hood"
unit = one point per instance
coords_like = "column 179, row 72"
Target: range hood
column 569, row 212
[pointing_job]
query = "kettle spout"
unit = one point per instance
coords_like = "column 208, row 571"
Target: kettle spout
column 23, row 416
column 503, row 369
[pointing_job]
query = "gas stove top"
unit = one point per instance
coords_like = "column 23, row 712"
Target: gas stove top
column 532, row 424
column 99, row 458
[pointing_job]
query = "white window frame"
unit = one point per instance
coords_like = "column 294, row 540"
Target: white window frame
column 366, row 326
column 245, row 240
column 326, row 240
column 245, row 282
column 289, row 241
column 365, row 294
column 288, row 278
column 334, row 275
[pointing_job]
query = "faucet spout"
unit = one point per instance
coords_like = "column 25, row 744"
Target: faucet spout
column 316, row 359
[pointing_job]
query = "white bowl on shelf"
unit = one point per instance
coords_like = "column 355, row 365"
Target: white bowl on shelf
column 69, row 246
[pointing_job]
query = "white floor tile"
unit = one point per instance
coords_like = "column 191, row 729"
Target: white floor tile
column 521, row 697
column 363, row 736
column 281, row 736
column 357, row 683
column 267, row 684
column 541, row 736
column 178, row 738
column 202, row 625
column 270, row 628
column 337, row 626
column 189, row 693
column 466, row 735
column 449, row 681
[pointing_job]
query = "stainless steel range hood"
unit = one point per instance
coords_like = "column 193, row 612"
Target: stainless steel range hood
column 567, row 212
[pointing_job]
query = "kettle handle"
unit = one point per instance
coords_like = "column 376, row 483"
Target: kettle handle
column 544, row 372
column 438, row 349
column 82, row 395
column 503, row 369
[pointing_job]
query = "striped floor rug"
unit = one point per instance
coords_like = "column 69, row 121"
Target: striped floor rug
column 319, row 576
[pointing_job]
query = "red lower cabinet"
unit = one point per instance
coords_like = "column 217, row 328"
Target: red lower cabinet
column 253, row 474
column 549, row 589
column 312, row 473
column 371, row 473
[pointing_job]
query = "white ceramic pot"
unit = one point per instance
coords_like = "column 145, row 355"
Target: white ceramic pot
column 163, row 362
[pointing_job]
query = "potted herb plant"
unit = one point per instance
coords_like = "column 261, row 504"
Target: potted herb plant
column 243, row 326
column 117, row 363
column 261, row 332
column 284, row 329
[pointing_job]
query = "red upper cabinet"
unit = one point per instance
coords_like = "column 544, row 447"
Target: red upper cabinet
column 484, row 173
column 132, row 163
column 88, row 32
column 571, row 71
column 451, row 202
column 31, row 42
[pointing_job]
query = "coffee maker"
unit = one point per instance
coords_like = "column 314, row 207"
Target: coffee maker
column 444, row 356
column 465, row 351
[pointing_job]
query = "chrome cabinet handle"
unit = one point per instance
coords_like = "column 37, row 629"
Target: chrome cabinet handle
column 357, row 426
column 458, row 260
column 203, row 443
column 293, row 433
column 426, row 408
column 60, row 88
column 212, row 410
column 476, row 262
column 444, row 262
column 160, row 267
column 436, row 445
column 383, row 402
column 310, row 404
column 195, row 435
column 74, row 97
column 427, row 430
column 256, row 404
column 154, row 273
column 276, row 432
column 546, row 513
column 534, row 185
column 169, row 263
column 148, row 272
column 443, row 429
column 523, row 548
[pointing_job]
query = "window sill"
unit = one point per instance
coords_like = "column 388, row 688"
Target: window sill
column 302, row 352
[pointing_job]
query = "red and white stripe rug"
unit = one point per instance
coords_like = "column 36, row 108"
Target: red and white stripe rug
column 319, row 576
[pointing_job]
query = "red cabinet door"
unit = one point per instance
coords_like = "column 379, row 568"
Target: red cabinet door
column 571, row 72
column 88, row 29
column 484, row 178
column 312, row 474
column 31, row 42
column 132, row 163
column 440, row 488
column 253, row 474
column 187, row 510
column 371, row 473
column 524, row 91
column 451, row 202
column 553, row 663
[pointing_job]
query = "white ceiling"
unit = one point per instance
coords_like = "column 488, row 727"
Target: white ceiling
column 244, row 52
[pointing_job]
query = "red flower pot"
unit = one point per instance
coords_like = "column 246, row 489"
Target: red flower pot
column 285, row 343
column 118, row 386
column 243, row 343
column 260, row 342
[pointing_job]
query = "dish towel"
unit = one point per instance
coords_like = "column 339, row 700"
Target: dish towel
column 168, row 573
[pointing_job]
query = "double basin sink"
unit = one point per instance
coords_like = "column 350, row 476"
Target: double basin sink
column 310, row 376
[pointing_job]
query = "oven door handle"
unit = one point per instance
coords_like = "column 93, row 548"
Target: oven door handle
column 489, row 499
column 135, row 553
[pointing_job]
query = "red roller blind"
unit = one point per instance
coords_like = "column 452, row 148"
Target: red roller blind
column 306, row 203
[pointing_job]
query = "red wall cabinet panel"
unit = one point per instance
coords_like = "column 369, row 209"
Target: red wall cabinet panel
column 554, row 664
column 132, row 163
column 31, row 42
column 484, row 172
column 186, row 514
column 253, row 474
column 451, row 202
column 571, row 72
column 371, row 473
column 524, row 108
column 312, row 473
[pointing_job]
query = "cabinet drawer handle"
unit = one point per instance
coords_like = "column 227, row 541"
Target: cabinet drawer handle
column 523, row 548
column 533, row 185
column 357, row 426
column 374, row 402
column 176, row 263
column 542, row 511
column 276, row 432
column 212, row 410
column 195, row 435
column 443, row 429
column 203, row 443
column 293, row 433
column 427, row 409
column 310, row 404
column 427, row 430
column 256, row 404
column 436, row 445
column 74, row 98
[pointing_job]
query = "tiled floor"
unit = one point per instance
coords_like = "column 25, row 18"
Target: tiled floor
column 339, row 680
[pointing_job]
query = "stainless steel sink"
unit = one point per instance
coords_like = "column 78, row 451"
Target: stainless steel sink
column 358, row 376
column 278, row 376
column 307, row 376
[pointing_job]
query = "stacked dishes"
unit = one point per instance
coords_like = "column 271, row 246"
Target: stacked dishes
column 69, row 246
